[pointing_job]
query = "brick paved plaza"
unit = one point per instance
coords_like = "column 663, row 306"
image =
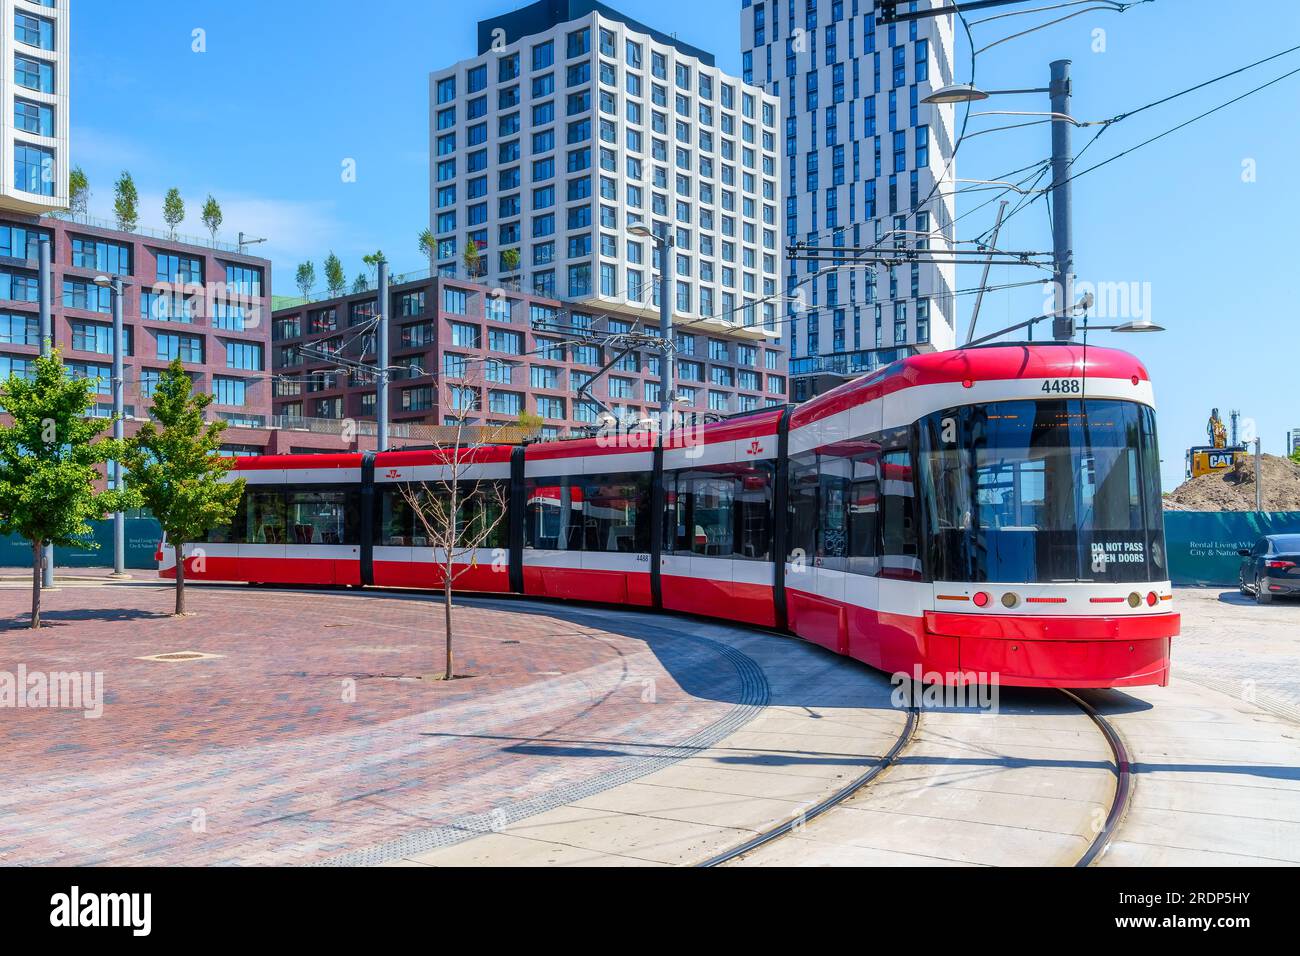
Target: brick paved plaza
column 310, row 735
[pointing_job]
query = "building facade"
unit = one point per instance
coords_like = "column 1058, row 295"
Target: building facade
column 490, row 356
column 34, row 41
column 208, row 306
column 574, row 123
column 862, row 156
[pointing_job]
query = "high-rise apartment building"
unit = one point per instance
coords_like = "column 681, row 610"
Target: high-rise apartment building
column 34, row 97
column 575, row 122
column 862, row 156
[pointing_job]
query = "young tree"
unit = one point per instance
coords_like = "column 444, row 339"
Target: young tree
column 126, row 202
column 176, row 470
column 373, row 261
column 173, row 211
column 510, row 263
column 48, row 462
column 428, row 247
column 212, row 216
column 335, row 281
column 473, row 260
column 78, row 193
column 459, row 514
column 305, row 278
column 360, row 283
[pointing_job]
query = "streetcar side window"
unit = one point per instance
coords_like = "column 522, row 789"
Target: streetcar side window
column 596, row 513
column 719, row 511
column 480, row 518
column 834, row 507
column 264, row 517
column 321, row 516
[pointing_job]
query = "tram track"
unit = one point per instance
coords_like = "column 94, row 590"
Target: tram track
column 1103, row 834
column 830, row 803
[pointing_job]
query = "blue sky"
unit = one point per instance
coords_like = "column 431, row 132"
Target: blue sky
column 286, row 91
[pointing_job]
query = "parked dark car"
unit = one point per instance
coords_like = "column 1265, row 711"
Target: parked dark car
column 1271, row 568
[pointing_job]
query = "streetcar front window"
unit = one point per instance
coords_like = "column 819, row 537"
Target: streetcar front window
column 1042, row 491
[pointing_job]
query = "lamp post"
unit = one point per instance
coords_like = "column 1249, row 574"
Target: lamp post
column 44, row 282
column 667, row 288
column 381, row 360
column 1062, row 155
column 114, row 286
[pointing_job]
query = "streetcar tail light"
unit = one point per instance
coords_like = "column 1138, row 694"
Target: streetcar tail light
column 1045, row 600
column 1152, row 599
column 968, row 384
column 981, row 599
column 1106, row 600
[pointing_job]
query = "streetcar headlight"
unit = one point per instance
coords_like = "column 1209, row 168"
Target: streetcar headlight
column 1010, row 600
column 1135, row 600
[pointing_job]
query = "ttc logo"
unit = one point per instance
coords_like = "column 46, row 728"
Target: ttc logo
column 393, row 473
column 754, row 448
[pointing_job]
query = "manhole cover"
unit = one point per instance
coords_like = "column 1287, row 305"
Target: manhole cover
column 181, row 656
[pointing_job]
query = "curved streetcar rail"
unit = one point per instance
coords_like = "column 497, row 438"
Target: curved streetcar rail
column 775, row 833
column 1123, row 781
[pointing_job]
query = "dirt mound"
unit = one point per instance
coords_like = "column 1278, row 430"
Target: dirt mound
column 1235, row 490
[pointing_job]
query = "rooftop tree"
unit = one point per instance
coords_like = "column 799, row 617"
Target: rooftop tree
column 212, row 216
column 175, row 468
column 173, row 211
column 78, row 193
column 305, row 278
column 335, row 280
column 49, row 462
column 126, row 202
column 428, row 247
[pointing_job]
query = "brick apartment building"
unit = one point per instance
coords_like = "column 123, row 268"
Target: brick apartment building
column 205, row 303
column 501, row 354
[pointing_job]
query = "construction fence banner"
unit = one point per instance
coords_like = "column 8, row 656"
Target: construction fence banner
column 1203, row 545
column 142, row 537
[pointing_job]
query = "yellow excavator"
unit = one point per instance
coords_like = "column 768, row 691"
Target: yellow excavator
column 1216, row 456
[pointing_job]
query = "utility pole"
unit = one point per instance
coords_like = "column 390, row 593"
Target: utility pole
column 1259, row 475
column 114, row 286
column 381, row 358
column 667, row 288
column 44, row 281
column 1062, row 226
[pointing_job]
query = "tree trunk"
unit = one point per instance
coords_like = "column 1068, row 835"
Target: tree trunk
column 36, row 584
column 180, row 578
column 446, row 595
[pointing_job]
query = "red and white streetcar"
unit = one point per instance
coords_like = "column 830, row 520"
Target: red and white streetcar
column 990, row 513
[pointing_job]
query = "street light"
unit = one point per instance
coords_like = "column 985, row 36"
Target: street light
column 1059, row 91
column 114, row 285
column 667, row 283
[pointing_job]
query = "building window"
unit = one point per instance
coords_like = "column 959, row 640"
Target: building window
column 17, row 328
column 454, row 301
column 244, row 355
column 229, row 391
column 32, row 117
column 188, row 348
column 113, row 258
column 178, row 268
column 34, row 169
column 98, row 337
column 244, row 280
column 34, row 31
column 34, row 74
column 82, row 294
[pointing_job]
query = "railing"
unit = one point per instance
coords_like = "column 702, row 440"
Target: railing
column 411, row 431
column 146, row 231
